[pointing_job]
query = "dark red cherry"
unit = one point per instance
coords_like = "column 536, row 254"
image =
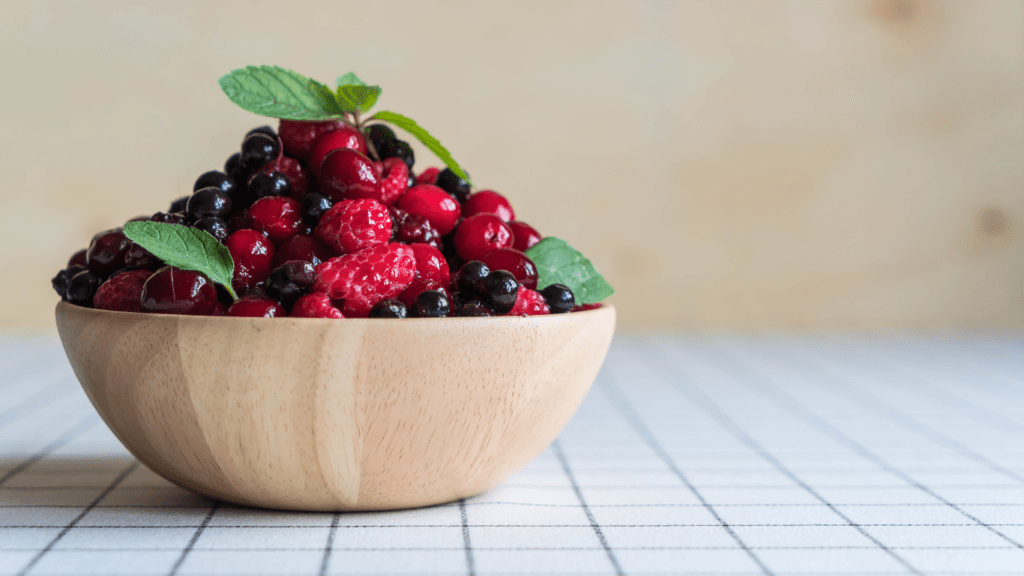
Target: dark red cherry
column 347, row 174
column 514, row 261
column 173, row 291
column 106, row 252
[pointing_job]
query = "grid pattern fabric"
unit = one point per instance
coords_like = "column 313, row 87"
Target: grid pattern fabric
column 715, row 455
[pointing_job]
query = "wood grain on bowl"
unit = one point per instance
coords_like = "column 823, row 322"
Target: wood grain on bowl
column 355, row 414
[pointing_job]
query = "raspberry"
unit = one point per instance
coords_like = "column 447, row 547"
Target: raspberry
column 529, row 303
column 419, row 286
column 302, row 247
column 366, row 277
column 488, row 202
column 524, row 235
column 315, row 305
column 352, row 225
column 122, row 292
column 480, row 234
column 298, row 136
column 430, row 264
column 293, row 171
column 428, row 176
column 514, row 261
column 394, row 180
column 253, row 255
column 432, row 203
column 278, row 217
column 255, row 307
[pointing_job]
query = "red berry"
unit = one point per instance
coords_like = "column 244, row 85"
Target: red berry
column 279, row 217
column 480, row 234
column 174, row 291
column 430, row 264
column 412, row 229
column 122, row 292
column 432, row 203
column 256, row 307
column 428, row 176
column 315, row 305
column 344, row 137
column 585, row 307
column 298, row 136
column 366, row 277
column 302, row 247
column 524, row 235
column 394, row 180
column 293, row 171
column 488, row 202
column 418, row 286
column 514, row 261
column 529, row 303
column 348, row 174
column 106, row 252
column 253, row 254
column 77, row 259
column 352, row 225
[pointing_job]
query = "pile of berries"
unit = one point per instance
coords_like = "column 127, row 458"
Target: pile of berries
column 324, row 220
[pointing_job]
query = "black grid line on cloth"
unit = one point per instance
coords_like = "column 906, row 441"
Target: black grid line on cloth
column 556, row 447
column 695, row 394
column 788, row 402
column 606, row 384
column 865, row 398
column 76, row 430
column 605, row 525
column 35, row 560
column 195, row 537
column 467, row 544
column 509, row 548
column 329, row 546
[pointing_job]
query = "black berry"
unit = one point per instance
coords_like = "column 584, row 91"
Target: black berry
column 559, row 298
column 208, row 202
column 290, row 280
column 389, row 309
column 217, row 227
column 431, row 304
column 397, row 149
column 271, row 183
column 470, row 277
column 262, row 130
column 179, row 204
column 378, row 134
column 257, row 150
column 313, row 205
column 214, row 178
column 172, row 218
column 60, row 284
column 451, row 183
column 500, row 289
column 82, row 287
column 233, row 168
column 473, row 309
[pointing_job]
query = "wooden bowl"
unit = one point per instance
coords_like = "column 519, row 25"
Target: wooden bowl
column 354, row 414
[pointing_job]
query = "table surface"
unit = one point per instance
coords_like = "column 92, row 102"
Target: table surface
column 890, row 454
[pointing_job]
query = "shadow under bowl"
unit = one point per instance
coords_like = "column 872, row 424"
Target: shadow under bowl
column 335, row 415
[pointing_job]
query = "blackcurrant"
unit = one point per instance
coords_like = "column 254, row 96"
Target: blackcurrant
column 500, row 289
column 473, row 309
column 470, row 277
column 559, row 298
column 397, row 149
column 451, row 183
column 179, row 204
column 257, row 150
column 431, row 304
column 289, row 281
column 82, row 287
column 271, row 183
column 389, row 309
column 214, row 178
column 313, row 205
column 217, row 227
column 208, row 202
column 262, row 130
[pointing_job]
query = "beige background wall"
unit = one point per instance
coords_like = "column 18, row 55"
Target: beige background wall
column 853, row 163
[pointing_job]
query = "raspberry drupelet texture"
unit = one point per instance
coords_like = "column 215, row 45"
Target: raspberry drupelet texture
column 366, row 277
column 315, row 305
column 394, row 180
column 123, row 292
column 529, row 303
column 353, row 225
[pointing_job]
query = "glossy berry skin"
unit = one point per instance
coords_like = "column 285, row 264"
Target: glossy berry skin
column 559, row 298
column 431, row 304
column 313, row 206
column 138, row 258
column 470, row 278
column 585, row 307
column 428, row 176
column 294, row 173
column 345, row 137
column 451, row 183
column 233, row 167
column 173, row 291
column 278, row 217
column 123, row 292
column 499, row 291
column 430, row 264
column 256, row 307
column 257, row 150
column 488, row 202
column 106, row 252
column 480, row 234
column 273, row 183
column 179, row 204
column 303, row 247
column 432, row 203
column 397, row 149
column 78, row 258
column 217, row 227
column 389, row 308
column 366, row 277
column 378, row 134
column 81, row 288
column 347, row 174
column 524, row 235
column 472, row 309
column 352, row 225
column 298, row 136
column 169, row 218
column 210, row 201
column 394, row 180
column 290, row 280
column 214, row 178
column 262, row 130
column 253, row 254
column 418, row 286
column 60, row 281
column 413, row 229
column 514, row 261
column 315, row 305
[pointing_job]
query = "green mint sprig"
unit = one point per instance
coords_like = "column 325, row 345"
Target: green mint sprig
column 279, row 93
column 559, row 263
column 185, row 248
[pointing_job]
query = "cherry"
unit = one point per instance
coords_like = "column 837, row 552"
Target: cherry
column 78, row 258
column 81, row 288
column 138, row 258
column 524, row 235
column 174, row 291
column 488, row 202
column 430, row 264
column 418, row 286
column 303, row 247
column 347, row 174
column 253, row 255
column 294, row 173
column 298, row 136
column 256, row 307
column 480, row 234
column 519, row 264
column 411, row 229
column 278, row 217
column 344, row 137
column 432, row 203
column 106, row 252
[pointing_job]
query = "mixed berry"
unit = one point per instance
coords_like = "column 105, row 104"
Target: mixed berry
column 326, row 219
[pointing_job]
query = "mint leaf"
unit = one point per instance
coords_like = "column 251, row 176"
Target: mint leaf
column 559, row 263
column 185, row 248
column 352, row 97
column 410, row 126
column 279, row 93
column 350, row 79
